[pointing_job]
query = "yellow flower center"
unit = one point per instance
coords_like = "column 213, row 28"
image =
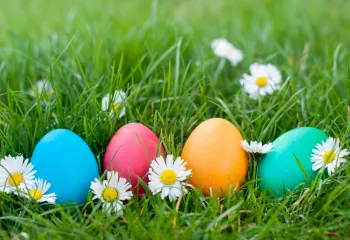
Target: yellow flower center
column 36, row 194
column 328, row 156
column 261, row 81
column 47, row 95
column 15, row 179
column 168, row 177
column 110, row 194
column 116, row 105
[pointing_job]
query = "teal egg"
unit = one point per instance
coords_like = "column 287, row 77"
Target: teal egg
column 65, row 160
column 279, row 171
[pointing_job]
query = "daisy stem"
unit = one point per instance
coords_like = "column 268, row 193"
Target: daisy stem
column 219, row 69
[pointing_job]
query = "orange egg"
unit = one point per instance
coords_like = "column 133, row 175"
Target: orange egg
column 214, row 154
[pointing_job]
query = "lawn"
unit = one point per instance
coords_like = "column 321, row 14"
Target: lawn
column 159, row 53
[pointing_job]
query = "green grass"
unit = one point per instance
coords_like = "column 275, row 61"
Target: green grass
column 159, row 52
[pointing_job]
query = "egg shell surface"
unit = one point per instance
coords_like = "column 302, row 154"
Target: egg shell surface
column 214, row 154
column 279, row 171
column 130, row 152
column 66, row 161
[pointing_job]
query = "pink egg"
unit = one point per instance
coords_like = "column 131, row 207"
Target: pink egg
column 130, row 152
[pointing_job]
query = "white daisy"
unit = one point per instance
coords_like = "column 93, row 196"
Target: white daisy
column 264, row 79
column 256, row 147
column 24, row 235
column 37, row 191
column 167, row 178
column 328, row 154
column 44, row 89
column 224, row 49
column 112, row 192
column 118, row 98
column 15, row 173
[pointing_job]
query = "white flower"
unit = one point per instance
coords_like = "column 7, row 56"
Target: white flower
column 112, row 192
column 256, row 147
column 264, row 79
column 224, row 49
column 44, row 89
column 15, row 173
column 37, row 191
column 118, row 98
column 328, row 154
column 24, row 235
column 167, row 177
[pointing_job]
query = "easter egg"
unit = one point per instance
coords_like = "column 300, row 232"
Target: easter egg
column 279, row 170
column 65, row 160
column 214, row 154
column 130, row 152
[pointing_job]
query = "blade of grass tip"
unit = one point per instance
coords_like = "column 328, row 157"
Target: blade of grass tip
column 38, row 102
column 335, row 57
column 84, row 78
column 348, row 87
column 132, row 71
column 185, row 74
column 169, row 78
column 219, row 69
column 225, row 108
column 223, row 215
column 59, row 56
column 98, row 55
column 86, row 129
column 177, row 66
column 302, row 168
column 163, row 90
column 118, row 75
column 158, row 61
column 260, row 115
column 283, row 109
column 143, row 146
column 154, row 12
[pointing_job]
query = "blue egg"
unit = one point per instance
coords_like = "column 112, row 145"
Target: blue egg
column 65, row 160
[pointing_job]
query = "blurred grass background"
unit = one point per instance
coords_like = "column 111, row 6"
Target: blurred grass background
column 34, row 33
column 159, row 52
column 85, row 47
